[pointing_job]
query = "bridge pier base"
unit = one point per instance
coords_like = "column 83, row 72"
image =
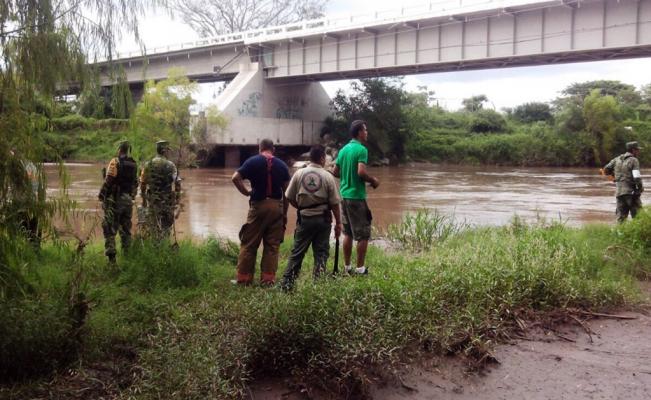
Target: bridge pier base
column 232, row 157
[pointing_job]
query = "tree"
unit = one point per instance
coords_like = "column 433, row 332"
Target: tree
column 582, row 90
column 218, row 17
column 484, row 121
column 602, row 119
column 646, row 94
column 379, row 102
column 121, row 98
column 164, row 114
column 43, row 44
column 532, row 112
column 626, row 95
column 474, row 103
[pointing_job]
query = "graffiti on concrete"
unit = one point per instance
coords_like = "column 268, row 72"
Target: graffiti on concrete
column 251, row 105
column 290, row 107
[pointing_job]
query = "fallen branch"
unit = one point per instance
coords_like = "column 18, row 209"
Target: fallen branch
column 584, row 326
column 602, row 315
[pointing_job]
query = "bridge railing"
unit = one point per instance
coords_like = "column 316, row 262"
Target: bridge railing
column 326, row 25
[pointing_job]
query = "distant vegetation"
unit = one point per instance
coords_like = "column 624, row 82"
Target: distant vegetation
column 586, row 126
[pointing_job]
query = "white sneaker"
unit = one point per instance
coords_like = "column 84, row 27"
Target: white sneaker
column 361, row 271
column 348, row 269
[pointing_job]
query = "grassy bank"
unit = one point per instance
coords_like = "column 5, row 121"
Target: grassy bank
column 171, row 325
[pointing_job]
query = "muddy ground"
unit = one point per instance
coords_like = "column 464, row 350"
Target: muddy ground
column 613, row 362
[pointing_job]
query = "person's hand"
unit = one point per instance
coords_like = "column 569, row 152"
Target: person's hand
column 338, row 228
column 375, row 183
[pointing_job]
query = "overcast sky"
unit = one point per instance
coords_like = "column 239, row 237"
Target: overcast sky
column 506, row 87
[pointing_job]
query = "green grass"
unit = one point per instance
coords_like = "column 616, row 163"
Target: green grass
column 197, row 336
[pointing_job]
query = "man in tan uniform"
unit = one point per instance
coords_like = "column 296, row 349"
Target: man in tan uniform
column 313, row 192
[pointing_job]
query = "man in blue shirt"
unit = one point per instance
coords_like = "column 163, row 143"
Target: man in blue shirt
column 267, row 217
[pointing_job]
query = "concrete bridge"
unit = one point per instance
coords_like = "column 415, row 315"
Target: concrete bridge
column 275, row 71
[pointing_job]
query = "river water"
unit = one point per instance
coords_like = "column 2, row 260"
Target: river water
column 476, row 195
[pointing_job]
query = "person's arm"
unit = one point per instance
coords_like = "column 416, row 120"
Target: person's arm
column 335, row 171
column 238, row 181
column 290, row 193
column 285, row 204
column 109, row 180
column 363, row 174
column 637, row 176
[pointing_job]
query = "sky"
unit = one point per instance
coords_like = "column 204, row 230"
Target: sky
column 507, row 87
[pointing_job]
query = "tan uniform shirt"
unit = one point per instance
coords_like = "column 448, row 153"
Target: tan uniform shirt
column 311, row 186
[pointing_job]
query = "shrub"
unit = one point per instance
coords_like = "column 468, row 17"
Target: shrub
column 484, row 121
column 423, row 230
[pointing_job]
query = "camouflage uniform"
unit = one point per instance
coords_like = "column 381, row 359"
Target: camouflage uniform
column 158, row 179
column 117, row 195
column 626, row 169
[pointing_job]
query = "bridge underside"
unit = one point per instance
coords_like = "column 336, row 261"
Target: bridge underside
column 467, row 65
column 493, row 35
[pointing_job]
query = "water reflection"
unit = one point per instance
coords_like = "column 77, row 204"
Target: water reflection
column 480, row 195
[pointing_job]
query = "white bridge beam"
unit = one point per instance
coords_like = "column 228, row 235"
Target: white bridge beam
column 441, row 36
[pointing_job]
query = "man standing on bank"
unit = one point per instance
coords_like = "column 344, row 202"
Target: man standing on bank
column 267, row 215
column 626, row 170
column 117, row 195
column 350, row 167
column 160, row 188
column 313, row 192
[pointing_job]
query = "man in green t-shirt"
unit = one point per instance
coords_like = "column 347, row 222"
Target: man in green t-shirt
column 350, row 167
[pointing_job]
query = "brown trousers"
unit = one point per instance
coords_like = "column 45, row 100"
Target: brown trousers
column 264, row 223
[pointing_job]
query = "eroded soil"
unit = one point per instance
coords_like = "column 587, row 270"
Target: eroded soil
column 613, row 362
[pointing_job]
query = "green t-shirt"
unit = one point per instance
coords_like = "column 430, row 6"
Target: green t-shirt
column 352, row 186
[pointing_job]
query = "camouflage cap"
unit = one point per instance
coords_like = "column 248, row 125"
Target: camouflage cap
column 632, row 146
column 124, row 146
column 162, row 144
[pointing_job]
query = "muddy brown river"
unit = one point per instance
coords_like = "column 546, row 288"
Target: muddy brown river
column 478, row 195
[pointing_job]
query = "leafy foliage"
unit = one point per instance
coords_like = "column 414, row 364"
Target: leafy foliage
column 474, row 103
column 163, row 114
column 533, row 112
column 379, row 102
column 484, row 121
column 602, row 116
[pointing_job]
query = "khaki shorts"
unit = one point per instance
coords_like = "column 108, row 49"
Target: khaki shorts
column 356, row 219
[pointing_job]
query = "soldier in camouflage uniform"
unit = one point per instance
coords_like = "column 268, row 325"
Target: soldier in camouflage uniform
column 159, row 188
column 117, row 195
column 626, row 170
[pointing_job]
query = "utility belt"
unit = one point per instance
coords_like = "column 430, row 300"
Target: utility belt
column 253, row 202
column 327, row 215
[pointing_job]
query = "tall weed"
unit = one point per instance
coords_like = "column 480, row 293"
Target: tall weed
column 424, row 229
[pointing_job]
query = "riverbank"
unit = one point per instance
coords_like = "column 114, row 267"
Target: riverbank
column 167, row 323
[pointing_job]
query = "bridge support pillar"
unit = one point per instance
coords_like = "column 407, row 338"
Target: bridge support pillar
column 232, row 157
